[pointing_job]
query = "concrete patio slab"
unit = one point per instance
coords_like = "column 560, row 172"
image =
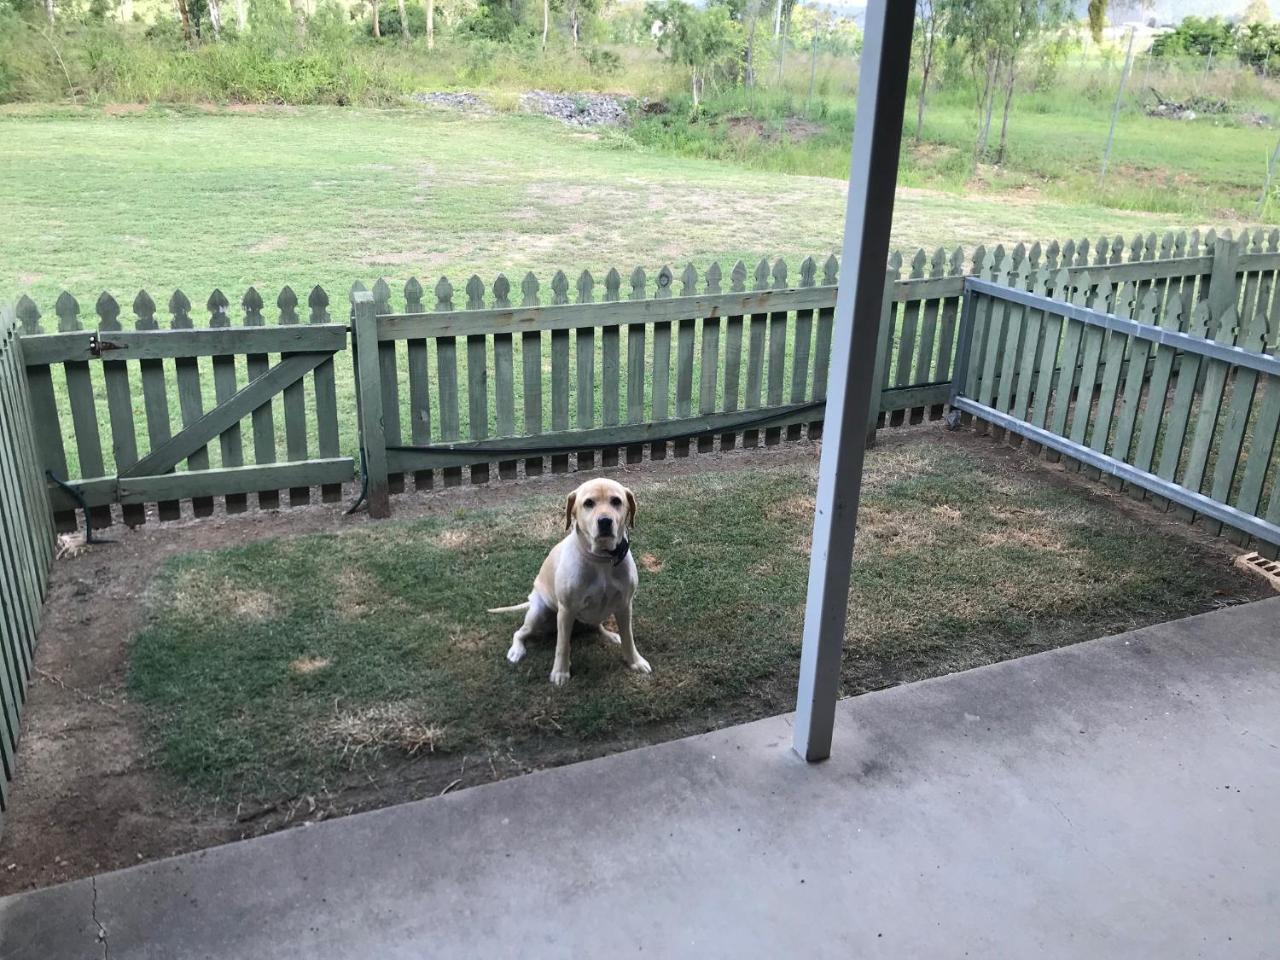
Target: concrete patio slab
column 1111, row 799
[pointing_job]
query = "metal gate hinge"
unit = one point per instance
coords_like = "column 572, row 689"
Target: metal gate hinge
column 98, row 346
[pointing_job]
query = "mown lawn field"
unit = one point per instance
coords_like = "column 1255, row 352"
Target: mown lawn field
column 160, row 198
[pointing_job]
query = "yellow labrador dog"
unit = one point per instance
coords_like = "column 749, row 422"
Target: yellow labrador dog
column 587, row 576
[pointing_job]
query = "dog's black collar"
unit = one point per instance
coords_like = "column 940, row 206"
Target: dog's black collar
column 619, row 553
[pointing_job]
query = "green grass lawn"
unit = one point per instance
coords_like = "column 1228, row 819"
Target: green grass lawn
column 196, row 199
column 304, row 664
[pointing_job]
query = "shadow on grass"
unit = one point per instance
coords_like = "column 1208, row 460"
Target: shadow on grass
column 288, row 665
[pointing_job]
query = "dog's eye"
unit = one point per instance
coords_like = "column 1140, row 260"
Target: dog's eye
column 616, row 501
column 588, row 504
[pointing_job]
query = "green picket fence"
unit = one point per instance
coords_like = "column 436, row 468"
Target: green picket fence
column 26, row 543
column 190, row 413
column 1169, row 393
column 609, row 369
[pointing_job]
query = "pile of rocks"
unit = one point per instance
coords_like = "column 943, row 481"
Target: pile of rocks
column 580, row 109
column 454, row 101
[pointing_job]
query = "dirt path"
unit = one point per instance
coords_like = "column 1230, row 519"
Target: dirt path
column 88, row 797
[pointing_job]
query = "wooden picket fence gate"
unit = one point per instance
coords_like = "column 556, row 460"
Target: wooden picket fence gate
column 574, row 373
column 26, row 544
column 117, row 372
column 1174, row 395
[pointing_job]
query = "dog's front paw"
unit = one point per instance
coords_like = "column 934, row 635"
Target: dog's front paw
column 610, row 635
column 640, row 665
column 559, row 677
column 516, row 653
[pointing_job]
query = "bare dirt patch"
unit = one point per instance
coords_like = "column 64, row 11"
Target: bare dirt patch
column 795, row 129
column 650, row 563
column 270, row 244
column 307, row 665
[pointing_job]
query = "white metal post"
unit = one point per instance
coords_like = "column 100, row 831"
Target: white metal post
column 873, row 175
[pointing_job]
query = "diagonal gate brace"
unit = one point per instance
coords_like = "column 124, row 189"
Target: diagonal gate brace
column 221, row 418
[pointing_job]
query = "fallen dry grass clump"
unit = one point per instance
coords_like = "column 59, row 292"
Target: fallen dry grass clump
column 389, row 725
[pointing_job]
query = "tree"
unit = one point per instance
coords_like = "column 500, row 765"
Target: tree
column 431, row 24
column 404, row 19
column 995, row 34
column 579, row 12
column 1258, row 11
column 930, row 15
column 1098, row 18
column 702, row 40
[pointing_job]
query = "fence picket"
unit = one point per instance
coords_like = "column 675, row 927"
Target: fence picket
column 477, row 379
column 559, row 372
column 263, row 418
column 636, row 366
column 225, row 385
column 610, row 367
column 447, row 383
column 685, row 330
column 755, row 355
column 324, row 383
column 294, row 402
column 1127, row 306
column 504, row 380
column 115, row 375
column 709, row 361
column 660, row 402
column 733, row 353
column 419, row 383
column 389, row 378
column 778, row 322
column 84, row 409
column 531, row 365
column 584, row 343
column 1239, row 413
column 801, row 348
column 1184, row 392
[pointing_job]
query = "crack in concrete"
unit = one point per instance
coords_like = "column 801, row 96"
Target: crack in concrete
column 102, row 931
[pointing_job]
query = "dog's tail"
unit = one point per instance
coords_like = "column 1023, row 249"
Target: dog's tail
column 517, row 607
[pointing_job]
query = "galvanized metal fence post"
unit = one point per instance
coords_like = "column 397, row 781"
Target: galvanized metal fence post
column 373, row 441
column 877, row 138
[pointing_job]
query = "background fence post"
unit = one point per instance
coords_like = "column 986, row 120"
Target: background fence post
column 369, row 383
column 1223, row 291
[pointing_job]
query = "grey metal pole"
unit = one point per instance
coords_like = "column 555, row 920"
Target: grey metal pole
column 877, row 137
column 1115, row 111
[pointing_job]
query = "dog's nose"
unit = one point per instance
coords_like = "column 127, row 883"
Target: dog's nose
column 605, row 524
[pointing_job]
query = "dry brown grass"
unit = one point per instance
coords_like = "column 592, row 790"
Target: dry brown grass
column 305, row 665
column 194, row 598
column 359, row 595
column 391, row 725
column 651, row 562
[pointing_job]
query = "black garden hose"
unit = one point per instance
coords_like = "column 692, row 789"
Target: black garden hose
column 78, row 497
column 364, row 485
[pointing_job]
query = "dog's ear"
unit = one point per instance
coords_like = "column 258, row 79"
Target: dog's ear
column 631, row 508
column 568, row 510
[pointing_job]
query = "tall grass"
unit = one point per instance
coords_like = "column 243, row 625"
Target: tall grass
column 323, row 60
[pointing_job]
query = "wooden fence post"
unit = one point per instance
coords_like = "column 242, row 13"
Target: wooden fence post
column 1223, row 291
column 369, row 383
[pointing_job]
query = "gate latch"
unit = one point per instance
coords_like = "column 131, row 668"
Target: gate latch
column 98, row 346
